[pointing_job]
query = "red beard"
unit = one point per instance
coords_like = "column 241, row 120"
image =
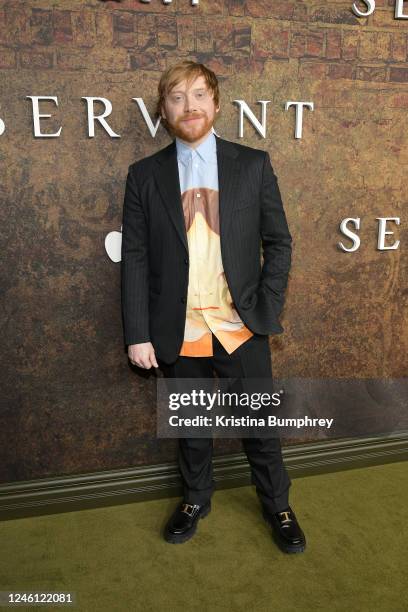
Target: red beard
column 190, row 132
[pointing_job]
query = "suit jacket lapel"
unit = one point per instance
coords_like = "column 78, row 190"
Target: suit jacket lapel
column 228, row 182
column 168, row 183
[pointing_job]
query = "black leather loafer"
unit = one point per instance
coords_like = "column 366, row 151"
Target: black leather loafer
column 183, row 522
column 286, row 530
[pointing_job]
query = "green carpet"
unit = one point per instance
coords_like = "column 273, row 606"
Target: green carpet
column 115, row 559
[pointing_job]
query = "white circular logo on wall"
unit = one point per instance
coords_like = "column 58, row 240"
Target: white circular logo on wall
column 113, row 245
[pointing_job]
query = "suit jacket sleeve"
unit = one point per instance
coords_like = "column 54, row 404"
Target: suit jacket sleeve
column 276, row 239
column 134, row 266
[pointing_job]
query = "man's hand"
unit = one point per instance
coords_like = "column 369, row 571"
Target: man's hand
column 142, row 355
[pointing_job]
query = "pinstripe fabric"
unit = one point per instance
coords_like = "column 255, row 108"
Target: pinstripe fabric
column 134, row 266
column 155, row 252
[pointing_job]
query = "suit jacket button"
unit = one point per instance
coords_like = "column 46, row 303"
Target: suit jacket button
column 183, row 300
column 186, row 261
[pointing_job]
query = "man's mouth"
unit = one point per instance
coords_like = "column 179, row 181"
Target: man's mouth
column 191, row 119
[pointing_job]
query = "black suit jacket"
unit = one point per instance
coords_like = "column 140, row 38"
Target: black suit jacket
column 155, row 257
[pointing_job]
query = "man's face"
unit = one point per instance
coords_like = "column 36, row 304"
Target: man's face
column 190, row 111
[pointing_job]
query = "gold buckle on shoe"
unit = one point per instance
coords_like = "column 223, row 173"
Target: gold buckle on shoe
column 185, row 509
column 287, row 519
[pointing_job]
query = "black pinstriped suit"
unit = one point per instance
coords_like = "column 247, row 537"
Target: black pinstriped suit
column 155, row 258
column 155, row 265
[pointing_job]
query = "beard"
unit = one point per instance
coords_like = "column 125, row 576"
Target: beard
column 190, row 132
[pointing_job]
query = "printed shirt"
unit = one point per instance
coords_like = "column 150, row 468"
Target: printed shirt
column 209, row 303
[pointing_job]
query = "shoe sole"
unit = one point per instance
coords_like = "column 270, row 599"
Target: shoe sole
column 175, row 538
column 286, row 548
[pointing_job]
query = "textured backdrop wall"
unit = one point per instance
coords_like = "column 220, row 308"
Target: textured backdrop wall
column 70, row 401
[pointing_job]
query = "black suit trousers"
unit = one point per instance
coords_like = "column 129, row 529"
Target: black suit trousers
column 251, row 360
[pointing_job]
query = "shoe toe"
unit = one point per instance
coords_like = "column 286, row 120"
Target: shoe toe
column 286, row 530
column 183, row 523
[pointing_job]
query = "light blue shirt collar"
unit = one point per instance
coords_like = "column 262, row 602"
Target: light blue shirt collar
column 207, row 150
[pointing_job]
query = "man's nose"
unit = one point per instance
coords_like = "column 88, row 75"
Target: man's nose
column 189, row 104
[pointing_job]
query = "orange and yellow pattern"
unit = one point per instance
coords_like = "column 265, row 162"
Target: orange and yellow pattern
column 210, row 308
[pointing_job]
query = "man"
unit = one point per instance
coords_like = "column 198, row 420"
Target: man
column 195, row 297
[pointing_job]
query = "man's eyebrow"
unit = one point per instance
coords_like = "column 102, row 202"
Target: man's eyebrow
column 179, row 91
